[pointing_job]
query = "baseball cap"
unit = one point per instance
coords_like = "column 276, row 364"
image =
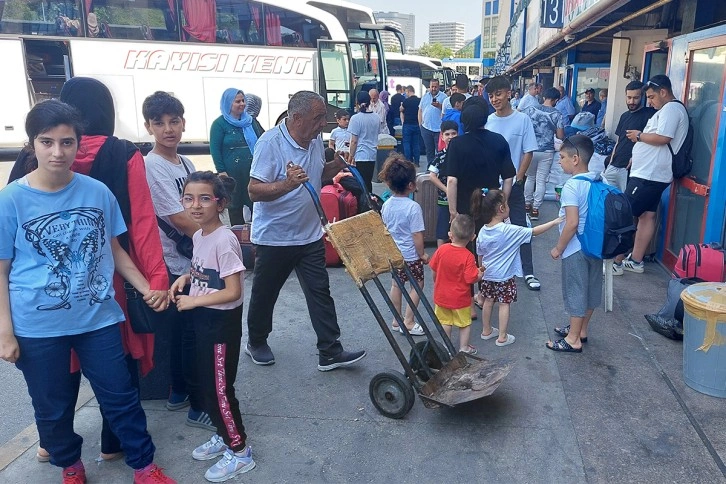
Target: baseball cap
column 363, row 97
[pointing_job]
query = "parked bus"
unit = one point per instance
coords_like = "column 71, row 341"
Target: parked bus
column 193, row 49
column 417, row 71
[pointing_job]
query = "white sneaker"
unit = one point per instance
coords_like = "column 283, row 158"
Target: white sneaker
column 493, row 334
column 214, row 447
column 417, row 330
column 509, row 341
column 632, row 266
column 617, row 269
column 231, row 465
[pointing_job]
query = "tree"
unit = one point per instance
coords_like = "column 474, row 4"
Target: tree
column 435, row 50
column 391, row 48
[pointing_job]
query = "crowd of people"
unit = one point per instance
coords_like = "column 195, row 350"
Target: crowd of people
column 85, row 217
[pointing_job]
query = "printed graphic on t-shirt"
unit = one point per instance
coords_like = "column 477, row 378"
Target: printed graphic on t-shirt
column 74, row 262
column 204, row 277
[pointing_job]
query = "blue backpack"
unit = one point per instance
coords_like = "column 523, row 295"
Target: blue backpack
column 609, row 228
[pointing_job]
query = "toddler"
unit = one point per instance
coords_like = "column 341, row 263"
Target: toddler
column 497, row 246
column 455, row 271
column 404, row 219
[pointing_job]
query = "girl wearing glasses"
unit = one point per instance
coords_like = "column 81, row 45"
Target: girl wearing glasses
column 215, row 299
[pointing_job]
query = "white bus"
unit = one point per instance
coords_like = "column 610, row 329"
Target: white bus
column 416, row 71
column 193, row 49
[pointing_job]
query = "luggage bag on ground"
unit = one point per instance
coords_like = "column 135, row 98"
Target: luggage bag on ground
column 701, row 260
column 426, row 195
column 338, row 204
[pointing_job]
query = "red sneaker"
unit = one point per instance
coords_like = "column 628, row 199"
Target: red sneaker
column 152, row 474
column 75, row 474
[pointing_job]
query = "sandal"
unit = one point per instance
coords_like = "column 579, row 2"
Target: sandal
column 469, row 350
column 566, row 330
column 527, row 207
column 534, row 214
column 477, row 301
column 493, row 334
column 42, row 455
column 563, row 346
column 532, row 283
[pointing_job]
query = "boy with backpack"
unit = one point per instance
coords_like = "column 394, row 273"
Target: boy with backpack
column 581, row 273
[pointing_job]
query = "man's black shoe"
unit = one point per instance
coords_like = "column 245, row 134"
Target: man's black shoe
column 261, row 355
column 344, row 358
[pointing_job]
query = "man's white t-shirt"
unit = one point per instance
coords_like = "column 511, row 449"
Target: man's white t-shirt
column 527, row 101
column 366, row 127
column 518, row 130
column 498, row 247
column 655, row 163
column 166, row 183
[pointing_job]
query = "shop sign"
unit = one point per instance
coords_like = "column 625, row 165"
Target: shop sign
column 552, row 14
column 575, row 8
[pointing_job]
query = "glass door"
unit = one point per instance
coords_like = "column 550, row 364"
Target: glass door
column 335, row 79
column 705, row 79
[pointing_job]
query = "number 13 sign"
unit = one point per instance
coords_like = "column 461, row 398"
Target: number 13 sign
column 552, row 14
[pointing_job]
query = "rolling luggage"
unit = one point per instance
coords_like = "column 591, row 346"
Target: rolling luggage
column 701, row 260
column 338, row 204
column 426, row 196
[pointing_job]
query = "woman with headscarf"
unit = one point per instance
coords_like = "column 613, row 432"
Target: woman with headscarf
column 232, row 139
column 253, row 105
column 120, row 166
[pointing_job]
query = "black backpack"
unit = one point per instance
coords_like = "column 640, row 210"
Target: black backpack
column 682, row 161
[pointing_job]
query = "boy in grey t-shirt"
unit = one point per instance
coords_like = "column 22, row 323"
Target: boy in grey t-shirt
column 166, row 172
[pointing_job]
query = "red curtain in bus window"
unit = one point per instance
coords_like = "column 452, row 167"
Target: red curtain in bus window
column 200, row 17
column 272, row 27
column 89, row 3
column 172, row 6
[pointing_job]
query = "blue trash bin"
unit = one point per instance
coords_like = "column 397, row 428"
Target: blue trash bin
column 704, row 338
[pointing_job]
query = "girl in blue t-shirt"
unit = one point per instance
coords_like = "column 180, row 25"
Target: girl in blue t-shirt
column 404, row 220
column 58, row 251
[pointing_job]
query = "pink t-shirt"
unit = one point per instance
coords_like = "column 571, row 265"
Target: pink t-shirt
column 216, row 256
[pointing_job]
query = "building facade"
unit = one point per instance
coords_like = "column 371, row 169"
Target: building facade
column 406, row 22
column 489, row 27
column 635, row 40
column 448, row 34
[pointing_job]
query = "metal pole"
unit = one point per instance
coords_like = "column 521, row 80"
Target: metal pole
column 442, row 356
column 430, row 310
column 389, row 336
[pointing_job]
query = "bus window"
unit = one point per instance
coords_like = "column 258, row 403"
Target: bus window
column 335, row 70
column 402, row 68
column 240, row 22
column 50, row 17
column 291, row 29
column 131, row 19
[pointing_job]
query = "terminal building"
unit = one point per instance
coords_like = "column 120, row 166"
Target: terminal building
column 604, row 44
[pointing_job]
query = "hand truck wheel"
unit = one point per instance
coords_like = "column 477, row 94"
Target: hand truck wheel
column 392, row 394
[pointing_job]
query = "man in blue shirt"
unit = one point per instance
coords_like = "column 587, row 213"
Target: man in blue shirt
column 287, row 231
column 429, row 118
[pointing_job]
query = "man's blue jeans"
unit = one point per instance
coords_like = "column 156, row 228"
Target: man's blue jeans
column 411, row 142
column 45, row 366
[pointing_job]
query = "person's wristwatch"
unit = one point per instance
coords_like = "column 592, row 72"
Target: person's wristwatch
column 637, row 136
column 519, row 182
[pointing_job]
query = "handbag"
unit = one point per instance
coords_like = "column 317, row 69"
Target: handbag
column 184, row 244
column 142, row 318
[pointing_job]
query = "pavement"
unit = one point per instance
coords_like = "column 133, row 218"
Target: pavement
column 618, row 412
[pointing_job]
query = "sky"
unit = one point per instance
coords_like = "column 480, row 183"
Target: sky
column 427, row 12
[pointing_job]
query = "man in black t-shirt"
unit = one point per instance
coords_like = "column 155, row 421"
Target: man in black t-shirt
column 476, row 160
column 393, row 118
column 411, row 130
column 635, row 118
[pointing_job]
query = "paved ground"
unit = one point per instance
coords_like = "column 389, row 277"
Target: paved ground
column 618, row 412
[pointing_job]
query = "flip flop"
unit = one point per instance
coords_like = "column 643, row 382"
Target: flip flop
column 532, row 282
column 563, row 346
column 43, row 456
column 565, row 331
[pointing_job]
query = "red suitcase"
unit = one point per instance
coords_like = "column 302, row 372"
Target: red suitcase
column 706, row 261
column 338, row 204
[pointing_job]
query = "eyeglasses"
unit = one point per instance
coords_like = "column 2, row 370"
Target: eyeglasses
column 568, row 140
column 650, row 84
column 204, row 201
